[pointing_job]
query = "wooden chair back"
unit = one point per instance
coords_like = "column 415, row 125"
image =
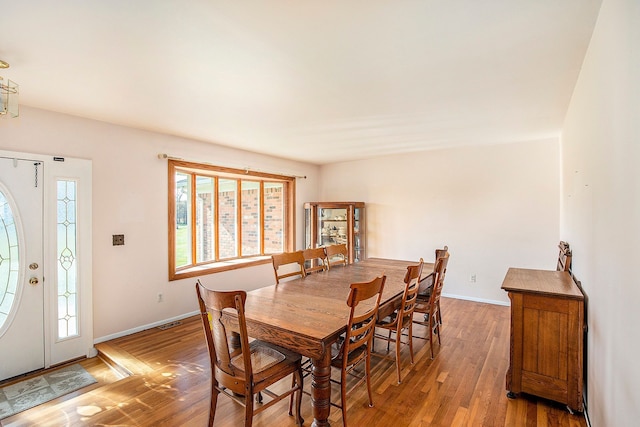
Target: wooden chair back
column 315, row 260
column 361, row 324
column 288, row 260
column 564, row 257
column 411, row 286
column 242, row 370
column 337, row 255
column 212, row 303
column 426, row 282
column 438, row 283
column 440, row 253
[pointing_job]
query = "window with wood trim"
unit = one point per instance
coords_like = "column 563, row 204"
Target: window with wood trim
column 223, row 218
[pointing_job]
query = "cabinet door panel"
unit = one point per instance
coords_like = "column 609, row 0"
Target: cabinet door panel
column 545, row 344
column 552, row 362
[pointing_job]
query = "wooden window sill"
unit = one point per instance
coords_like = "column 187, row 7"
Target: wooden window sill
column 217, row 267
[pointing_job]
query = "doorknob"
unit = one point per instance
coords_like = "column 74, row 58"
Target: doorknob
column 33, row 281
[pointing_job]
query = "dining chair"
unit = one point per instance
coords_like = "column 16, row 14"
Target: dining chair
column 431, row 309
column 426, row 282
column 287, row 261
column 564, row 257
column 337, row 255
column 402, row 318
column 244, row 372
column 357, row 344
column 316, row 259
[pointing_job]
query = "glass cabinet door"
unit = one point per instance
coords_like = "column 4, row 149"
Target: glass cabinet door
column 308, row 224
column 358, row 237
column 332, row 226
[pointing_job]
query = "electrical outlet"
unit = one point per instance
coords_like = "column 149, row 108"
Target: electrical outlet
column 160, row 296
column 472, row 279
column 118, row 239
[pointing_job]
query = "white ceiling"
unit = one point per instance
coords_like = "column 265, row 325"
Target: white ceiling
column 318, row 81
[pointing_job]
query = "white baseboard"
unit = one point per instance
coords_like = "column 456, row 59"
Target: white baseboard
column 467, row 298
column 143, row 327
column 585, row 412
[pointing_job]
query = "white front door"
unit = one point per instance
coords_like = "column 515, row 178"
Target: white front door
column 22, row 341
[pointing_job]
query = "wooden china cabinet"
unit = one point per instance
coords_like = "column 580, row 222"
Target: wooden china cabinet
column 331, row 223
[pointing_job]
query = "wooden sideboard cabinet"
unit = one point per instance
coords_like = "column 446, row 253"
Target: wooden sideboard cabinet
column 547, row 323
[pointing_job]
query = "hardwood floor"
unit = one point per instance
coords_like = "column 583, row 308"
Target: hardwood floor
column 169, row 383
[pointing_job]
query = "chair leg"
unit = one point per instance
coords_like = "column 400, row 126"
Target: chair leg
column 343, row 395
column 388, row 340
column 214, row 401
column 367, row 368
column 431, row 335
column 248, row 410
column 398, row 343
column 293, row 383
column 410, row 330
column 299, row 378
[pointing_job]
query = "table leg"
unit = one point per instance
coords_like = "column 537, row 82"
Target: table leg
column 321, row 390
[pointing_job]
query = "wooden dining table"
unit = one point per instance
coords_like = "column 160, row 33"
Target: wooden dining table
column 308, row 315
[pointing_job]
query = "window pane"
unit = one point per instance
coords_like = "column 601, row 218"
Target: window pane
column 66, row 257
column 228, row 221
column 250, row 218
column 205, row 219
column 273, row 217
column 183, row 219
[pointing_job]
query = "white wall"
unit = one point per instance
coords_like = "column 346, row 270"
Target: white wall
column 494, row 206
column 130, row 198
column 601, row 209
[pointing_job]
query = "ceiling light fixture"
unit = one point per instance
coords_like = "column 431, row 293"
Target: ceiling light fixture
column 8, row 94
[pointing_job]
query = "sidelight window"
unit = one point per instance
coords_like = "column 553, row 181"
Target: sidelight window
column 67, row 266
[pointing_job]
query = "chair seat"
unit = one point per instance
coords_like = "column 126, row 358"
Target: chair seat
column 354, row 356
column 388, row 322
column 422, row 306
column 266, row 360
